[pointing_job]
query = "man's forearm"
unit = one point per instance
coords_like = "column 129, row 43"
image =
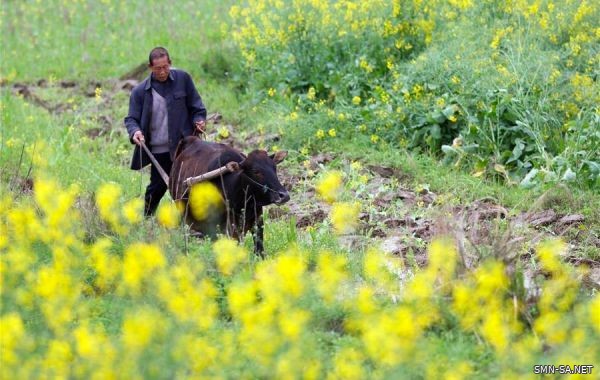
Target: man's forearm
column 132, row 126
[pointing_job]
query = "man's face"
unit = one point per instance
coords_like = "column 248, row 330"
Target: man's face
column 160, row 68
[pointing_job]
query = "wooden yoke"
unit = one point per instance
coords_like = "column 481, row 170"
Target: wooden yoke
column 230, row 167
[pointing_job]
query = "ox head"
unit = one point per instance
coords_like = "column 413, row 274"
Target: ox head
column 260, row 175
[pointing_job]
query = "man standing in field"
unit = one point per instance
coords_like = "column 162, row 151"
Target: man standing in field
column 163, row 109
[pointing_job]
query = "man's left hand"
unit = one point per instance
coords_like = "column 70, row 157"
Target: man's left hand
column 200, row 125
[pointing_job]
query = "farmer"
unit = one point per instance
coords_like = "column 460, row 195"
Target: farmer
column 163, row 109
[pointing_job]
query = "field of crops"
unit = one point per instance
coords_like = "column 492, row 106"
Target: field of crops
column 443, row 167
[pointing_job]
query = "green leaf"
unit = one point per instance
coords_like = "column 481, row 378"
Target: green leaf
column 436, row 132
column 517, row 151
column 593, row 166
column 509, row 116
column 436, row 117
column 449, row 150
column 449, row 111
column 569, row 175
column 481, row 164
column 528, row 182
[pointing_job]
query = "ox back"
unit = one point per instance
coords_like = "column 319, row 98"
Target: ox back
column 245, row 192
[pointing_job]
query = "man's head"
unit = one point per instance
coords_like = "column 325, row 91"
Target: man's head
column 159, row 63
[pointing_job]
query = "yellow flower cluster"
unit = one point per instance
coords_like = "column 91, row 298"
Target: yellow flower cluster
column 329, row 186
column 85, row 307
column 205, row 200
column 119, row 218
column 228, row 255
column 344, row 216
column 168, row 214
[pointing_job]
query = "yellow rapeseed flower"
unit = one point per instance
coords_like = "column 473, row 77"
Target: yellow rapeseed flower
column 106, row 265
column 140, row 262
column 356, row 165
column 205, row 200
column 223, row 132
column 59, row 357
column 348, row 365
column 443, row 257
column 365, row 65
column 329, row 275
column 168, row 215
column 293, row 323
column 228, row 255
column 139, row 328
column 45, row 193
column 331, row 132
column 594, row 312
column 240, row 297
column 53, row 283
column 495, row 330
column 88, row 343
column 98, row 93
column 356, row 100
column 551, row 326
column 365, row 300
column 320, row 134
column 290, row 269
column 107, row 199
column 13, row 332
column 344, row 216
column 133, row 210
column 549, row 253
column 329, row 186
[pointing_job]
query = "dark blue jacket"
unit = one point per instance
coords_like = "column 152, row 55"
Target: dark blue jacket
column 184, row 108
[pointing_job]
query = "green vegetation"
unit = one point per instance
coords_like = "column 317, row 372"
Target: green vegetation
column 503, row 90
column 404, row 120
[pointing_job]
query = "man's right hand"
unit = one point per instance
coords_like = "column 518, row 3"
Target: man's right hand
column 138, row 137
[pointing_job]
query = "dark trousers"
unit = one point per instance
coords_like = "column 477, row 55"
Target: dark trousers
column 157, row 187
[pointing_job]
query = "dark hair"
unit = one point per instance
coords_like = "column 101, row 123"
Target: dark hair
column 158, row 52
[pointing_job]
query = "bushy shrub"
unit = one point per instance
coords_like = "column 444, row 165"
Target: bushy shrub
column 507, row 89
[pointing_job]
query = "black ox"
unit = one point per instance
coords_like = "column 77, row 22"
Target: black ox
column 245, row 191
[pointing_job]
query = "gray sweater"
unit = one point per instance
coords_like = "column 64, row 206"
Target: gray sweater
column 159, row 124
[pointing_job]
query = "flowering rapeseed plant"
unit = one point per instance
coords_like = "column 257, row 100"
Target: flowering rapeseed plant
column 168, row 215
column 400, row 56
column 75, row 306
column 344, row 216
column 329, row 186
column 205, row 200
column 228, row 255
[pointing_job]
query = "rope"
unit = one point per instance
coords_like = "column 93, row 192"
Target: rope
column 141, row 174
column 264, row 186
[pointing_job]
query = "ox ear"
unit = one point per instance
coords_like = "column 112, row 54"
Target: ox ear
column 278, row 156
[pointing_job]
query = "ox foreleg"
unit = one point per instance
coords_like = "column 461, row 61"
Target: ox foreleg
column 259, row 233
